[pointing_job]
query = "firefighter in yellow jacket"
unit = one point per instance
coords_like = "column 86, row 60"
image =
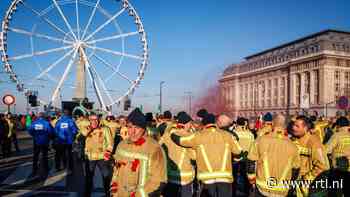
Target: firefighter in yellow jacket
column 246, row 138
column 276, row 160
column 180, row 170
column 312, row 153
column 82, row 123
column 140, row 168
column 123, row 127
column 98, row 148
column 319, row 129
column 338, row 147
column 213, row 156
column 112, row 125
column 166, row 123
column 267, row 125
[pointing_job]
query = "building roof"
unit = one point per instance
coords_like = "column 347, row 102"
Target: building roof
column 296, row 41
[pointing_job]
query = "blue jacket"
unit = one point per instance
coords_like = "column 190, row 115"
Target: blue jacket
column 41, row 131
column 65, row 130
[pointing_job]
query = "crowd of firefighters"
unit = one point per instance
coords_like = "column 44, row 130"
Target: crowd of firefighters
column 142, row 155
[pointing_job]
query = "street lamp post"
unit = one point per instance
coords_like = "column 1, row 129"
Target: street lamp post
column 189, row 93
column 160, row 95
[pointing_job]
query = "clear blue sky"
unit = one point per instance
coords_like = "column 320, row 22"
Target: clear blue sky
column 191, row 42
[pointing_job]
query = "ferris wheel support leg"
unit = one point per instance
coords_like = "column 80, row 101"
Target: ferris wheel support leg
column 102, row 84
column 93, row 80
column 54, row 96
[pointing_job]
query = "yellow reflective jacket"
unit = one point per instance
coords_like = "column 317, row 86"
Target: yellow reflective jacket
column 267, row 128
column 113, row 126
column 140, row 168
column 313, row 160
column 275, row 156
column 97, row 143
column 339, row 148
column 82, row 124
column 319, row 129
column 246, row 138
column 179, row 168
column 12, row 128
column 213, row 149
column 53, row 122
column 313, row 156
column 124, row 133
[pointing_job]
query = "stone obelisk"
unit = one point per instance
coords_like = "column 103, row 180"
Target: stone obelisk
column 80, row 84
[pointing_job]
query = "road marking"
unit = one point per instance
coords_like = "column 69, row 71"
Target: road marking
column 19, row 192
column 21, row 171
column 56, row 178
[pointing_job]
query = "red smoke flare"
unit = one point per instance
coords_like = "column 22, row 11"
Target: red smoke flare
column 211, row 100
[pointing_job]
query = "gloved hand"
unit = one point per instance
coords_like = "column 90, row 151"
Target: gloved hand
column 107, row 155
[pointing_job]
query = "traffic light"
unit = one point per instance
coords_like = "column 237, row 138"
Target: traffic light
column 127, row 104
column 33, row 100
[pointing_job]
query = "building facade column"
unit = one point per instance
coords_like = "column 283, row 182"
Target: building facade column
column 302, row 88
column 327, row 92
column 312, row 87
column 293, row 90
column 280, row 93
column 266, row 93
column 236, row 98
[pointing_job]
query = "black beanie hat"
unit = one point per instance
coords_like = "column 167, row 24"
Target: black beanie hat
column 342, row 122
column 183, row 117
column 202, row 113
column 267, row 117
column 167, row 115
column 137, row 118
column 149, row 117
column 209, row 119
column 241, row 121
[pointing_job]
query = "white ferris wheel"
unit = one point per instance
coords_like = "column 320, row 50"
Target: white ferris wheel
column 74, row 49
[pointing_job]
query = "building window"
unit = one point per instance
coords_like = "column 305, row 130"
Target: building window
column 337, row 75
column 256, row 95
column 347, row 83
column 307, row 83
column 337, row 90
column 263, row 88
column 337, row 84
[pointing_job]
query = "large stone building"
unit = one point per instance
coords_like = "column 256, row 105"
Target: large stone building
column 309, row 73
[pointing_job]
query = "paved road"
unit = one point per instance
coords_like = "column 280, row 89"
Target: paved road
column 15, row 181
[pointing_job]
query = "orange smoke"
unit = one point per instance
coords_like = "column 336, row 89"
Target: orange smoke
column 212, row 100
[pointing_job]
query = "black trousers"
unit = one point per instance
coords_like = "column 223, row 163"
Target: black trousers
column 241, row 181
column 15, row 141
column 105, row 168
column 117, row 139
column 6, row 147
column 63, row 155
column 172, row 189
column 217, row 190
column 43, row 149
